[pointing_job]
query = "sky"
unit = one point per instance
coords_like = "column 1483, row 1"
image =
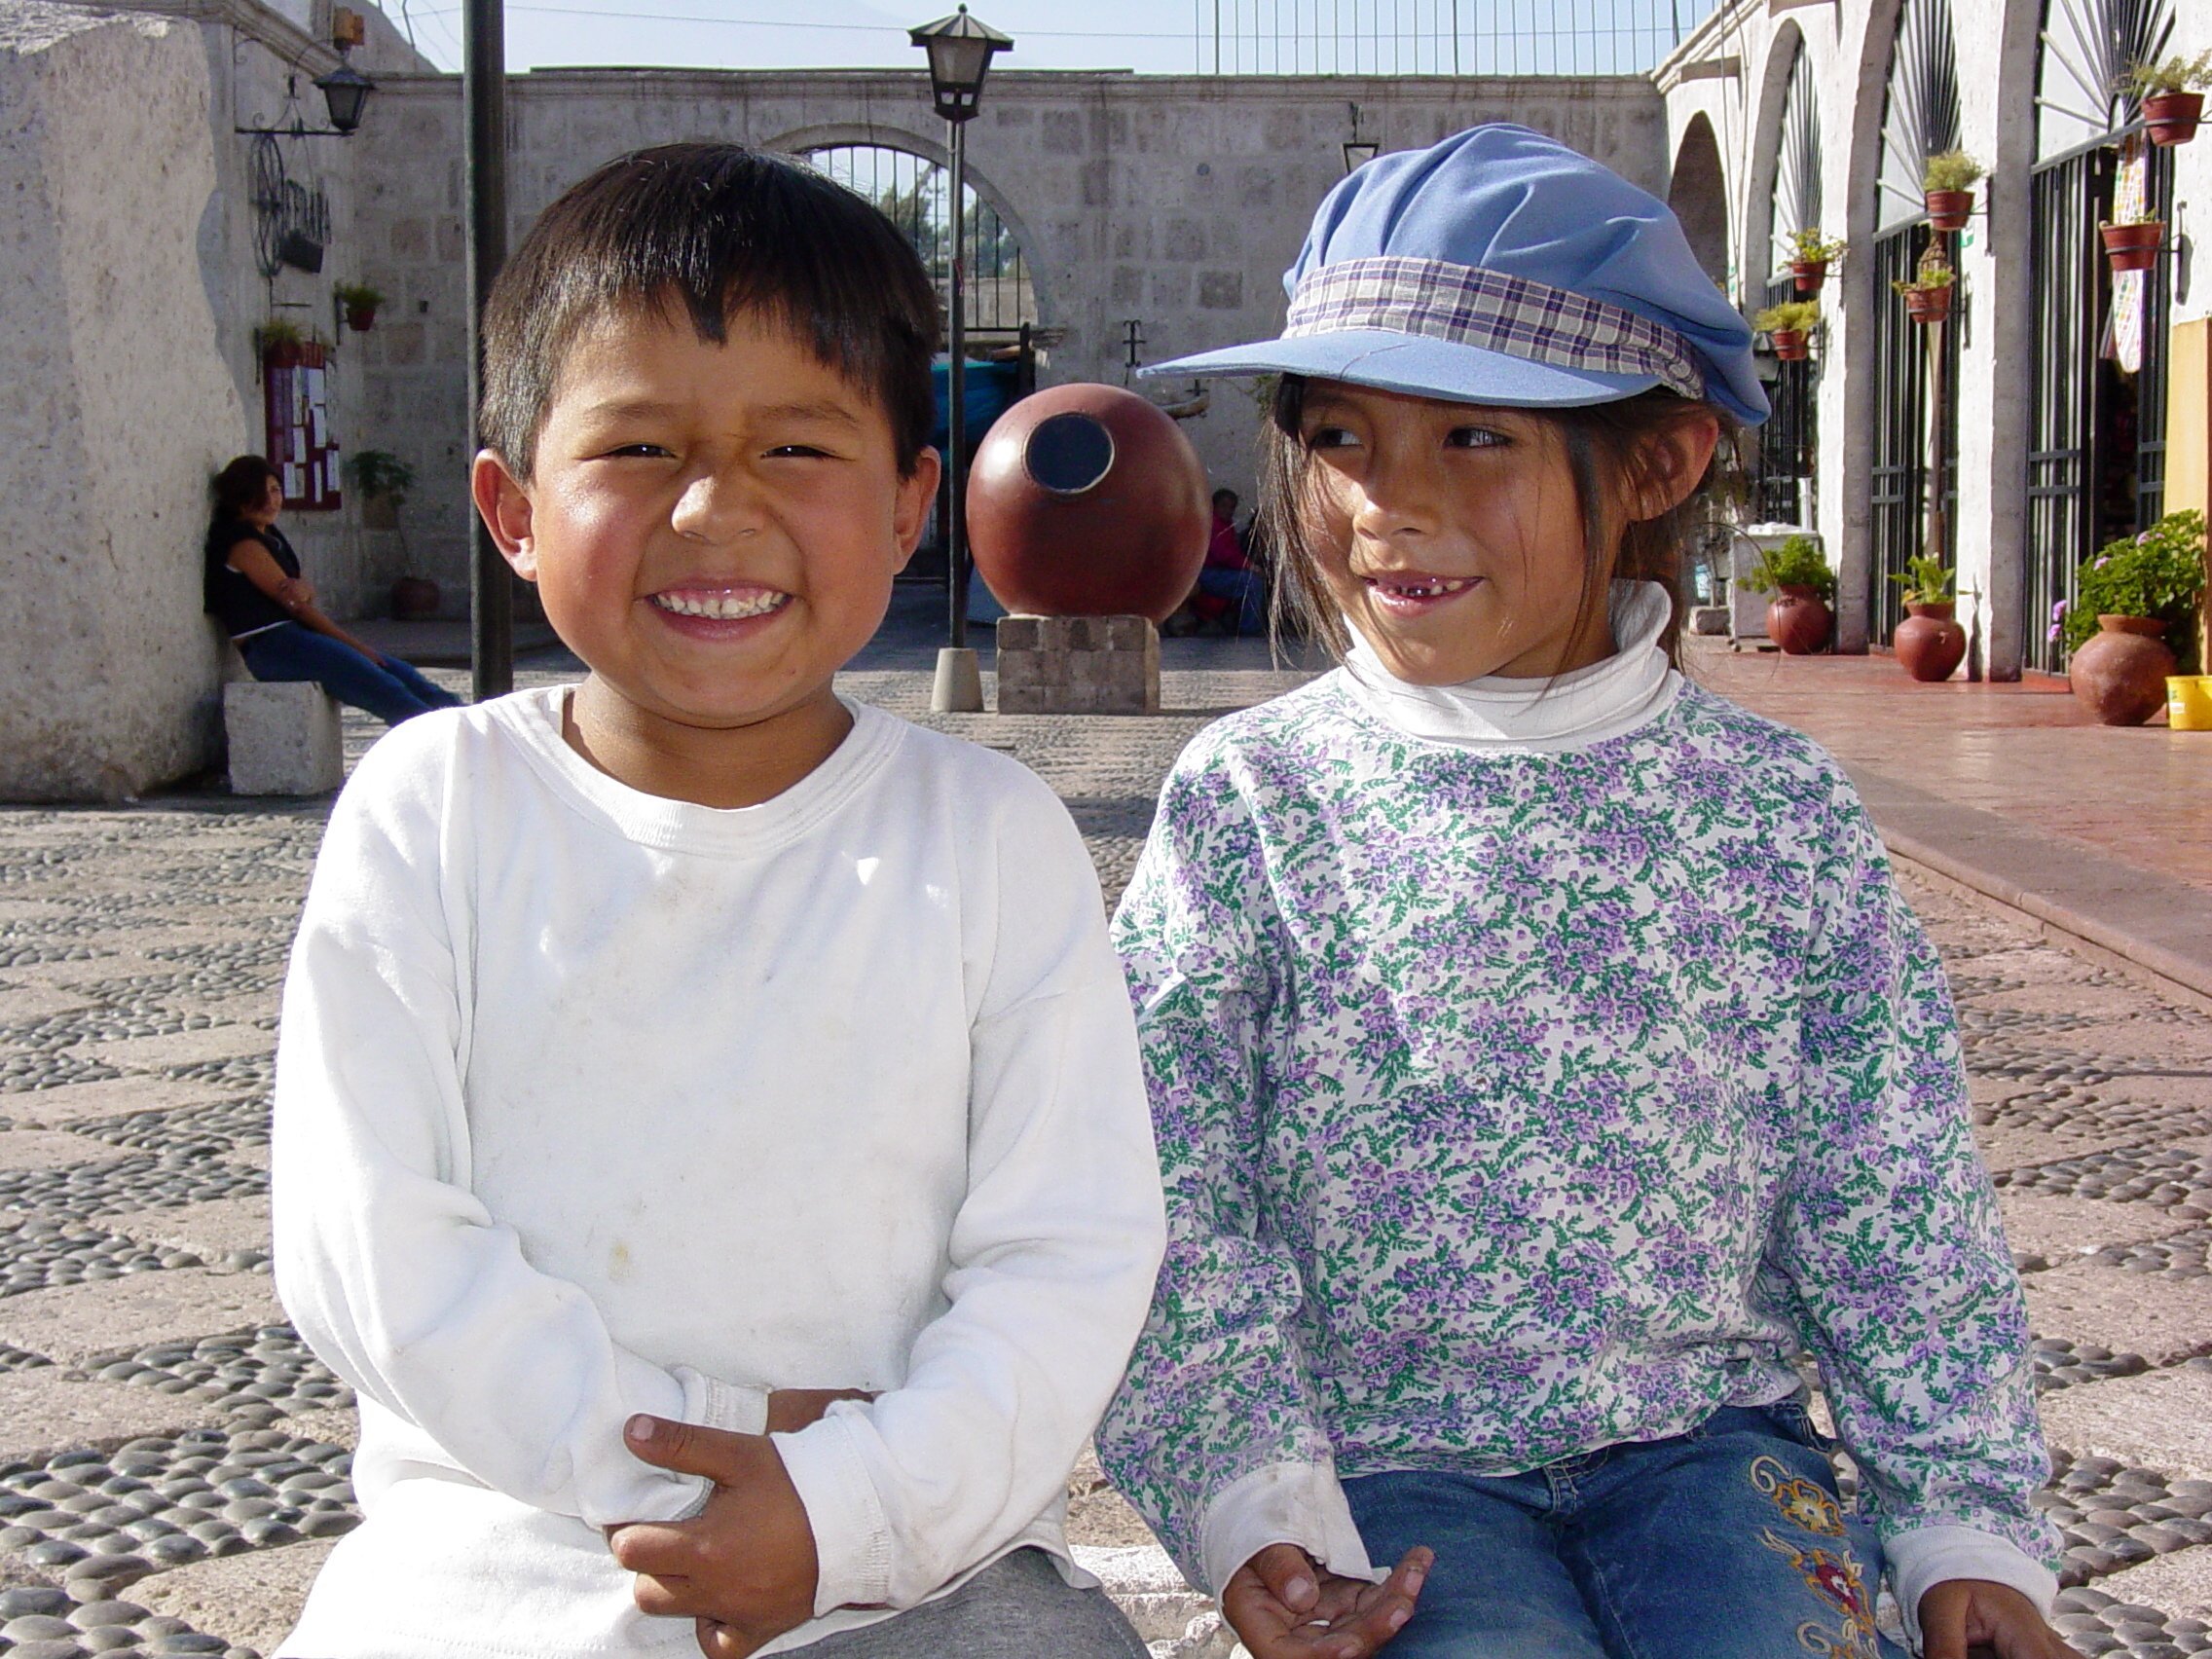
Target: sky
column 1149, row 36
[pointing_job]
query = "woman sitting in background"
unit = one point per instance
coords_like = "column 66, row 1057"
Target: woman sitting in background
column 254, row 588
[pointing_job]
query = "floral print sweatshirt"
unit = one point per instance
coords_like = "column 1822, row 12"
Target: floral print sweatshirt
column 1523, row 1092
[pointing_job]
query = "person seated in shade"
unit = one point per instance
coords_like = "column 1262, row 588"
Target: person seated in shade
column 1238, row 593
column 254, row 588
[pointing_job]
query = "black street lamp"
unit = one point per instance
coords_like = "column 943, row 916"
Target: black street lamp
column 346, row 90
column 960, row 50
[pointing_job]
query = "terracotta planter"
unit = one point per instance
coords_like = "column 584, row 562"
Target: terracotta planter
column 2173, row 116
column 1791, row 345
column 1798, row 621
column 1950, row 209
column 1809, row 274
column 2120, row 673
column 414, row 598
column 360, row 318
column 1929, row 644
column 1927, row 305
column 2134, row 247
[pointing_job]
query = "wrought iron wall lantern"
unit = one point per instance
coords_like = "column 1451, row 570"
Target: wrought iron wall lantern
column 1358, row 151
column 345, row 95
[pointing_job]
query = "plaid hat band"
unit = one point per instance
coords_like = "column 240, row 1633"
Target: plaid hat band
column 1468, row 305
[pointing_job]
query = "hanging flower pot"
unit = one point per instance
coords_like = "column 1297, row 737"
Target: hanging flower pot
column 1928, row 642
column 2119, row 671
column 2134, row 247
column 1950, row 209
column 1808, row 274
column 1927, row 305
column 360, row 302
column 1793, row 344
column 2171, row 118
column 360, row 318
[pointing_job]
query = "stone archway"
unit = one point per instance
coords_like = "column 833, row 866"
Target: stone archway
column 1697, row 190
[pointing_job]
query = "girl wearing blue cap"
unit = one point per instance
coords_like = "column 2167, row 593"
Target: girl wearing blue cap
column 1542, row 1058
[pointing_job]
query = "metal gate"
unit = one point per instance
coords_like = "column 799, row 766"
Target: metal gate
column 1790, row 439
column 1902, row 427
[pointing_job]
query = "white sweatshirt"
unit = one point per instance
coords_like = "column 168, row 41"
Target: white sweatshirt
column 590, row 1102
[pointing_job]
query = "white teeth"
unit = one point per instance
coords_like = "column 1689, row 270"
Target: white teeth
column 1434, row 589
column 721, row 607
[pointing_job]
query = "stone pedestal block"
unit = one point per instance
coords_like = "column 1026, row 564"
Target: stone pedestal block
column 283, row 738
column 1078, row 665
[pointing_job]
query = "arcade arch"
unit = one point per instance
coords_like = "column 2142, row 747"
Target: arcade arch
column 1697, row 191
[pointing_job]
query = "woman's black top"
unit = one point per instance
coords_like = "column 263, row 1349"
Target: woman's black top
column 241, row 607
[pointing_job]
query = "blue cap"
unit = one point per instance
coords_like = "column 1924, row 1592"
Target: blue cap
column 1502, row 267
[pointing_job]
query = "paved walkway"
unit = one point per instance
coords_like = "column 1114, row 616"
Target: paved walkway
column 173, row 1465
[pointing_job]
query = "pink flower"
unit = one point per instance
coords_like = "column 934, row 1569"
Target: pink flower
column 2055, row 631
column 2100, row 563
column 2058, row 614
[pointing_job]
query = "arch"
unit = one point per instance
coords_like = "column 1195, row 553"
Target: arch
column 1697, row 191
column 1785, row 59
column 1796, row 196
column 1041, row 273
column 1920, row 108
column 2083, row 49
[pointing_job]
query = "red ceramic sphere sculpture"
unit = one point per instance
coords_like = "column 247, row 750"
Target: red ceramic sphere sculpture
column 1085, row 500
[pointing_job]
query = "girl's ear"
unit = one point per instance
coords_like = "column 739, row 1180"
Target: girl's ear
column 1673, row 464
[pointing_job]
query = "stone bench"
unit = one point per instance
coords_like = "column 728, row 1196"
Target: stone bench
column 283, row 737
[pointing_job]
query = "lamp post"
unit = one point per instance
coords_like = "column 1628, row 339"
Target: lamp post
column 484, row 113
column 960, row 51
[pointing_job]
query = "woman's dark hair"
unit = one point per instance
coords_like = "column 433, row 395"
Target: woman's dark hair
column 240, row 485
column 721, row 229
column 1611, row 450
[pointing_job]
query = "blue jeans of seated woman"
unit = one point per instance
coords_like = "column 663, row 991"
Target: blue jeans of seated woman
column 392, row 690
column 1727, row 1542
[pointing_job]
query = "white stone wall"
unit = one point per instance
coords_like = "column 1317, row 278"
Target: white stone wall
column 1174, row 200
column 117, row 404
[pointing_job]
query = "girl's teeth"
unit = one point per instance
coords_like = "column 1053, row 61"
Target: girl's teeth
column 1426, row 590
column 722, row 607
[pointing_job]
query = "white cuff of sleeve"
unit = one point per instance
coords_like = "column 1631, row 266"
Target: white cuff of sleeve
column 1283, row 1503
column 1929, row 1556
column 737, row 1407
column 851, row 1539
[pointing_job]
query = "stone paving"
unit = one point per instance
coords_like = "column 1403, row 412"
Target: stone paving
column 173, row 1462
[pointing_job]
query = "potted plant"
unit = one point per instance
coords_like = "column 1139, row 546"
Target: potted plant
column 2132, row 244
column 2171, row 94
column 280, row 342
column 1790, row 324
column 383, row 480
column 1798, row 618
column 1927, row 296
column 1928, row 642
column 2133, row 619
column 360, row 302
column 1811, row 253
column 1947, row 184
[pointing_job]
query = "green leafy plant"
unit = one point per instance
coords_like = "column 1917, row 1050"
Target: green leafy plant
column 1796, row 563
column 2159, row 574
column 1927, row 581
column 381, row 474
column 1953, row 170
column 358, row 296
column 277, row 332
column 2177, row 74
column 1811, row 244
column 2144, row 215
column 1792, row 317
column 1932, row 273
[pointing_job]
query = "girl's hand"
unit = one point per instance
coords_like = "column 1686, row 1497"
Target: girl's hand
column 1285, row 1607
column 1966, row 1618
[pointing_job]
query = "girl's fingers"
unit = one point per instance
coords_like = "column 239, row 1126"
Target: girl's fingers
column 1289, row 1575
column 662, row 1597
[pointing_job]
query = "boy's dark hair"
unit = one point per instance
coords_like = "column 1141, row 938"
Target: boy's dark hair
column 721, row 229
column 1608, row 445
column 240, row 485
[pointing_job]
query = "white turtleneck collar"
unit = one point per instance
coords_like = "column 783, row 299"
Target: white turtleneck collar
column 1633, row 685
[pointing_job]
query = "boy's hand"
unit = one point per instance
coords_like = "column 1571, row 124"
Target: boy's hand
column 1285, row 1607
column 791, row 1409
column 744, row 1567
column 1967, row 1618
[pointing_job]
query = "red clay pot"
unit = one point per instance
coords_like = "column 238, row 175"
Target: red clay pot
column 1927, row 643
column 360, row 318
column 2120, row 673
column 1790, row 345
column 2173, row 116
column 1927, row 305
column 1798, row 621
column 2134, row 247
column 1950, row 209
column 1809, row 274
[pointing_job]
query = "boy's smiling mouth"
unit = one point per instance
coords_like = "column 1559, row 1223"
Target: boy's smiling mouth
column 720, row 604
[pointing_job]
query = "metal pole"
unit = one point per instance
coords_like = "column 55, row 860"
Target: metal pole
column 956, row 531
column 484, row 110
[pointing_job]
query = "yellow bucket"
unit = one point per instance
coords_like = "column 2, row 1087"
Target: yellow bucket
column 2188, row 702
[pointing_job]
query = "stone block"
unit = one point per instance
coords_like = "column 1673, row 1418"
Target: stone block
column 1078, row 665
column 2161, row 1421
column 44, row 1411
column 251, row 1600
column 71, row 1324
column 283, row 738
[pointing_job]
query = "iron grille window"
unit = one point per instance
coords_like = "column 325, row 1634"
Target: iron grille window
column 1438, row 37
column 1790, row 439
column 1901, row 431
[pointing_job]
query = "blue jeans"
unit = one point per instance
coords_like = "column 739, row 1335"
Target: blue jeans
column 1241, row 588
column 1727, row 1542
column 392, row 690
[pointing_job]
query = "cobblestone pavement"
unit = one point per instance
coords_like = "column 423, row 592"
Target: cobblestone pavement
column 173, row 1463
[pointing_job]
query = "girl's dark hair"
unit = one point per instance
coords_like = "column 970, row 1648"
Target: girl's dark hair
column 716, row 229
column 240, row 485
column 1609, row 449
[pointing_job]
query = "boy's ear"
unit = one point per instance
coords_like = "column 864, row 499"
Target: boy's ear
column 507, row 511
column 910, row 511
column 1673, row 464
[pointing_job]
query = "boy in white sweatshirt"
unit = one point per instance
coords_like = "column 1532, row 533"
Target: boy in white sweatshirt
column 710, row 1133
